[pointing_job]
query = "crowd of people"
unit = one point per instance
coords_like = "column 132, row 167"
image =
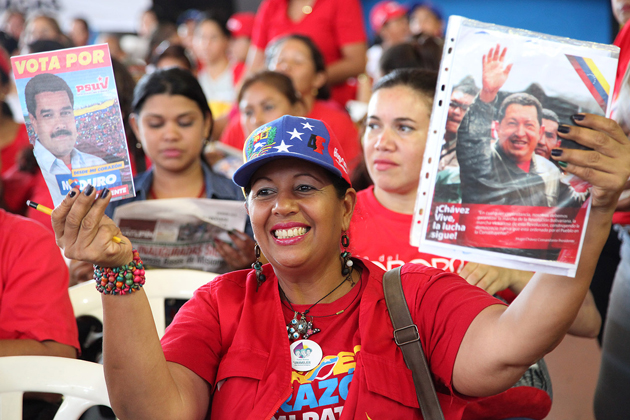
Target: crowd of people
column 332, row 131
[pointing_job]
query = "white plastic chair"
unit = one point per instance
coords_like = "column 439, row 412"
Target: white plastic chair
column 81, row 383
column 161, row 284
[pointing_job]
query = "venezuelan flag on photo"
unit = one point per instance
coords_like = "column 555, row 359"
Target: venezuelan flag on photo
column 592, row 78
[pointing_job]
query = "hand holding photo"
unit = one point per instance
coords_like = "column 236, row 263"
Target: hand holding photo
column 497, row 194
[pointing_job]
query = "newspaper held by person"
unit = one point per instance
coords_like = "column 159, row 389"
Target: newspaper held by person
column 180, row 232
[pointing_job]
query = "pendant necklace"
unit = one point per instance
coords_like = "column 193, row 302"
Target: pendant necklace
column 302, row 328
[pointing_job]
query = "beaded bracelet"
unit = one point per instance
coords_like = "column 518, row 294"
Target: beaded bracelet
column 121, row 280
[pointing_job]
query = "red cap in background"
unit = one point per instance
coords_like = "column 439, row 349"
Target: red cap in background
column 384, row 11
column 241, row 24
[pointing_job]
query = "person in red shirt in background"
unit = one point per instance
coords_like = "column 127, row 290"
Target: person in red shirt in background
column 390, row 22
column 425, row 18
column 34, row 320
column 217, row 75
column 298, row 57
column 267, row 96
column 19, row 172
column 13, row 136
column 264, row 97
column 228, row 354
column 240, row 26
column 335, row 26
column 394, row 142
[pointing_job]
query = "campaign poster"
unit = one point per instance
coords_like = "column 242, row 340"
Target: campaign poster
column 489, row 190
column 73, row 119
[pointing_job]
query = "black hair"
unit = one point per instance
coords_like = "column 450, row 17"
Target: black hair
column 7, row 42
column 44, row 82
column 523, row 99
column 5, row 109
column 125, row 85
column 548, row 114
column 467, row 86
column 407, row 55
column 340, row 184
column 281, row 82
column 172, row 81
column 419, row 80
column 317, row 56
column 215, row 17
column 44, row 45
column 176, row 51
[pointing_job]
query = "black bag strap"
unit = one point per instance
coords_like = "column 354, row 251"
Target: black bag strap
column 407, row 338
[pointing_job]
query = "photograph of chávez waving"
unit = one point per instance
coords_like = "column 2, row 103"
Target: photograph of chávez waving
column 507, row 170
column 498, row 191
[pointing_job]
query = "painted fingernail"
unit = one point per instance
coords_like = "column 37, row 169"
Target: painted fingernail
column 88, row 190
column 72, row 193
column 577, row 117
column 564, row 129
column 104, row 193
column 556, row 152
column 562, row 164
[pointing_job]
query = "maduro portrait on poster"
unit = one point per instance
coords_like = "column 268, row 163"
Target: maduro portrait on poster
column 73, row 120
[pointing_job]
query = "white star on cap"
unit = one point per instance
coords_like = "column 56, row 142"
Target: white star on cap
column 295, row 134
column 283, row 147
column 307, row 125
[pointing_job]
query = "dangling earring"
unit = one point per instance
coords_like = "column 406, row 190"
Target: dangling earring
column 257, row 265
column 346, row 262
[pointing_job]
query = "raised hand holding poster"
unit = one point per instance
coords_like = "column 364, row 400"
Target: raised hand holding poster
column 73, row 119
column 490, row 192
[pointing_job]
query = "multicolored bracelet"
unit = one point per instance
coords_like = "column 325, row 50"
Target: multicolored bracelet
column 121, row 280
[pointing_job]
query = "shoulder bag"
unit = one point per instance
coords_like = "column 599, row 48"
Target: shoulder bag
column 407, row 338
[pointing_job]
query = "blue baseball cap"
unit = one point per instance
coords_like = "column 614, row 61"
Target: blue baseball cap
column 292, row 137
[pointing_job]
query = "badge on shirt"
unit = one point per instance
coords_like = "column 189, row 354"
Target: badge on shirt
column 305, row 355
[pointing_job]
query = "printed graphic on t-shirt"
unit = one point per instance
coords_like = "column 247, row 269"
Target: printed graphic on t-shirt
column 388, row 262
column 320, row 394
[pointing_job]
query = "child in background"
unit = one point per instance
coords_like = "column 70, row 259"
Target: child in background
column 240, row 26
column 264, row 96
column 217, row 76
column 390, row 23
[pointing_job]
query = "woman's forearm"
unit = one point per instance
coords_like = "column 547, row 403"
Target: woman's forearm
column 139, row 381
column 351, row 64
column 501, row 344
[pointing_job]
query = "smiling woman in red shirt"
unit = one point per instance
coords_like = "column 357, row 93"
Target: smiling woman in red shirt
column 308, row 335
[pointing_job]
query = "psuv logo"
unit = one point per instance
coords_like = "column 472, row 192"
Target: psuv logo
column 100, row 85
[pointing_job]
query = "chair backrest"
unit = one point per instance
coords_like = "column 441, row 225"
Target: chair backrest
column 81, row 383
column 161, row 284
